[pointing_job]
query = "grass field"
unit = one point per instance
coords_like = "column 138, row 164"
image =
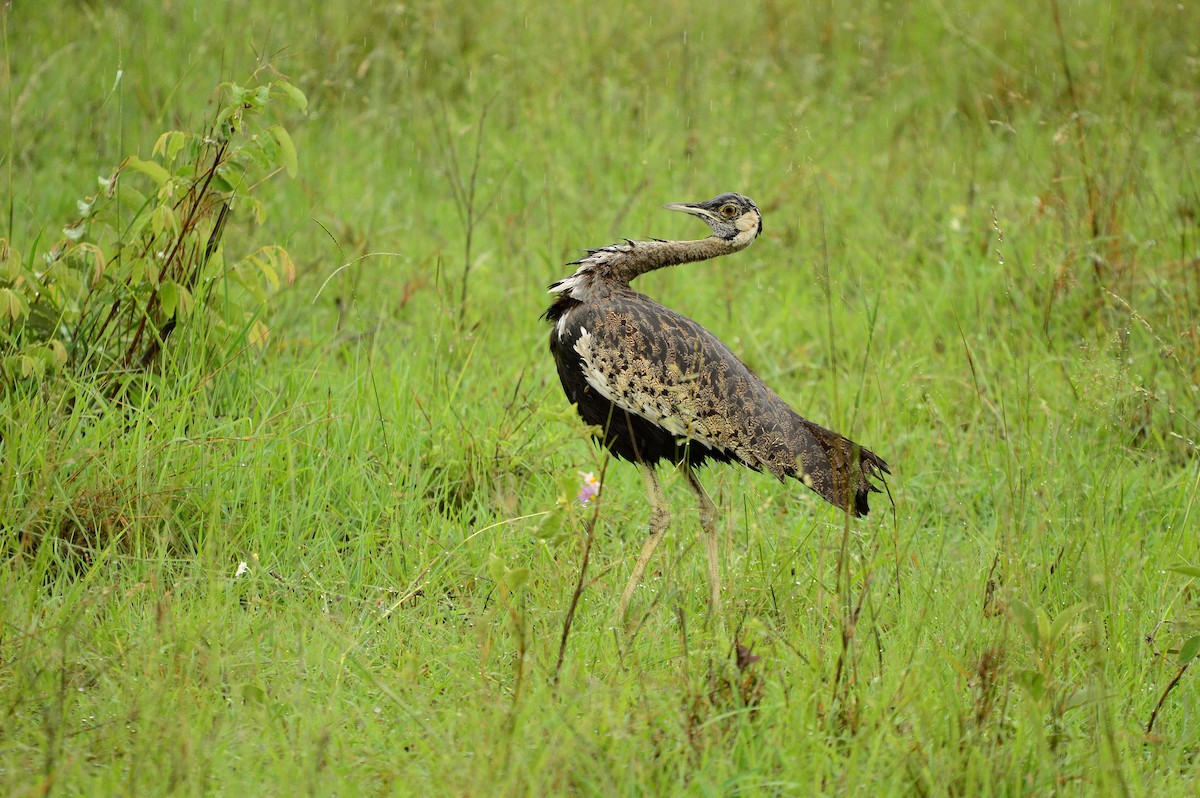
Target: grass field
column 981, row 258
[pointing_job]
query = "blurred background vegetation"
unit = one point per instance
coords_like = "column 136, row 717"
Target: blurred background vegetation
column 979, row 258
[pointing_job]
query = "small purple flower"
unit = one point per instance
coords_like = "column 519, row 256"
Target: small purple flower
column 589, row 487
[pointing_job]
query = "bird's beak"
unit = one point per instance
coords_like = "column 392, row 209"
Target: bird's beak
column 694, row 210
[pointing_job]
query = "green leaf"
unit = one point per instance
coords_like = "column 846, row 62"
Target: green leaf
column 215, row 266
column 176, row 143
column 1033, row 681
column 1186, row 570
column 57, row 352
column 234, row 178
column 95, row 255
column 130, row 198
column 175, row 300
column 258, row 211
column 164, row 220
column 551, row 526
column 220, row 184
column 516, row 578
column 151, row 169
column 246, row 275
column 149, row 271
column 258, row 334
column 11, row 260
column 236, row 92
column 283, row 260
column 1082, row 697
column 268, row 271
column 166, row 192
column 31, row 366
column 186, row 303
column 227, row 119
column 275, row 263
column 1042, row 619
column 1065, row 619
column 253, row 694
column 12, row 304
column 1024, row 617
column 52, row 353
column 1188, row 651
column 287, row 150
column 168, row 297
column 169, row 144
column 495, row 568
column 294, row 95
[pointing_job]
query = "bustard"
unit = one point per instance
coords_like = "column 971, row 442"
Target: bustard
column 661, row 387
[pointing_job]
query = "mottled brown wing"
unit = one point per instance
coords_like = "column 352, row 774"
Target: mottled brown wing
column 659, row 365
column 662, row 366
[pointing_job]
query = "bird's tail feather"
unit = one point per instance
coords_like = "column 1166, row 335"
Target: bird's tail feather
column 838, row 469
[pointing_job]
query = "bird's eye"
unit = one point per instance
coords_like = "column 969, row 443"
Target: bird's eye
column 729, row 211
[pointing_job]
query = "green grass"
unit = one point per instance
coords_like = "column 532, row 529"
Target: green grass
column 980, row 267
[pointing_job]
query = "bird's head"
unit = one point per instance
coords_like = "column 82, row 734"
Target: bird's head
column 732, row 217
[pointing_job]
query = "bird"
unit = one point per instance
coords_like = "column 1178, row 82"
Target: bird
column 656, row 386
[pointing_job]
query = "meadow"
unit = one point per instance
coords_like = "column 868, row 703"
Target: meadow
column 332, row 545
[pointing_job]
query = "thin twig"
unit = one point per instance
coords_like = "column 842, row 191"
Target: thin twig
column 214, row 240
column 1162, row 698
column 178, row 244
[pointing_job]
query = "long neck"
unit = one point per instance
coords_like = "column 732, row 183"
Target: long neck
column 624, row 262
column 612, row 267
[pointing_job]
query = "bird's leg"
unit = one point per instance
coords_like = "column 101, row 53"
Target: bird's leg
column 660, row 519
column 708, row 523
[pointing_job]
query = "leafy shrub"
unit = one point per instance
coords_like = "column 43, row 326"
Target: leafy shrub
column 145, row 255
